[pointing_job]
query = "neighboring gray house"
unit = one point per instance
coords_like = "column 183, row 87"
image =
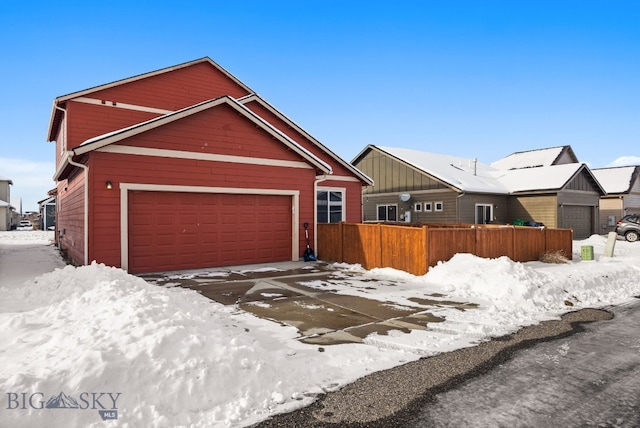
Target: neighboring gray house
column 6, row 217
column 622, row 187
column 545, row 186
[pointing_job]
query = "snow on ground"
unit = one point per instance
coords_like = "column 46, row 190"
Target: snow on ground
column 95, row 340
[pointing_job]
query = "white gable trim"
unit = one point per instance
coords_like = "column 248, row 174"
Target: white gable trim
column 120, row 134
column 179, row 154
column 254, row 97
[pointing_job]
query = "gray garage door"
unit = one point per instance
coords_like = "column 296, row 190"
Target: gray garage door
column 580, row 219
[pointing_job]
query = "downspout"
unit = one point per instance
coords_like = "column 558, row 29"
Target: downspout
column 458, row 207
column 70, row 154
column 319, row 178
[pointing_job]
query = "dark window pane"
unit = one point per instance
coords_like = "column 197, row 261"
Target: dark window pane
column 382, row 212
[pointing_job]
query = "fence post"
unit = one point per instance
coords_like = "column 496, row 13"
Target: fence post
column 425, row 245
column 380, row 243
column 341, row 234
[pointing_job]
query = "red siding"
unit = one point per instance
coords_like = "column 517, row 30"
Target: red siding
column 70, row 217
column 338, row 168
column 218, row 130
column 91, row 120
column 174, row 90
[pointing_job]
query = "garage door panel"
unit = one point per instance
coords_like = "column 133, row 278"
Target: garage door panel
column 171, row 231
column 580, row 219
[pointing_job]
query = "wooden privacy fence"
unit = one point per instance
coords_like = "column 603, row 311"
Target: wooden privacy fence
column 415, row 249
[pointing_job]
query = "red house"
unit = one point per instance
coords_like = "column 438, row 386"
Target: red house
column 187, row 167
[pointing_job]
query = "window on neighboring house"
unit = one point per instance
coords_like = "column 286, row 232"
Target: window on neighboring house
column 428, row 207
column 417, row 206
column 387, row 213
column 484, row 213
column 438, row 206
column 330, row 205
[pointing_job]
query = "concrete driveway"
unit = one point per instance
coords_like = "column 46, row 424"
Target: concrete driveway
column 278, row 292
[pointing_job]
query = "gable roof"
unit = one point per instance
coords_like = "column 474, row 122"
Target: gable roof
column 56, row 114
column 458, row 173
column 291, row 123
column 535, row 158
column 469, row 175
column 617, row 180
column 553, row 177
column 120, row 134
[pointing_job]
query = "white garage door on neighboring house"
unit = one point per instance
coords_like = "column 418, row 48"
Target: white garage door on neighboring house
column 579, row 218
column 181, row 230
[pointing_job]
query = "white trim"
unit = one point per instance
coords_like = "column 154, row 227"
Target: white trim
column 477, row 205
column 257, row 98
column 180, row 154
column 115, row 104
column 417, row 207
column 342, row 178
column 435, row 206
column 124, row 209
column 99, row 141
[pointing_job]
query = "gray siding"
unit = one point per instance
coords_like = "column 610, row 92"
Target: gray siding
column 447, row 198
column 390, row 175
column 467, row 207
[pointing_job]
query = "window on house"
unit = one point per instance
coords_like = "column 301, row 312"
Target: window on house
column 387, row 213
column 428, row 207
column 484, row 213
column 417, row 206
column 439, row 206
column 330, row 204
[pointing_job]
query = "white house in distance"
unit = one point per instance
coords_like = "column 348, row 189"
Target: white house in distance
column 6, row 210
column 622, row 197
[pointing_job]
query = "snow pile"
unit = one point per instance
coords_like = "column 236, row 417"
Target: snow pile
column 167, row 356
column 174, row 356
column 23, row 237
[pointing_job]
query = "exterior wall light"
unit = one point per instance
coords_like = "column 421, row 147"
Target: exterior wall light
column 109, row 185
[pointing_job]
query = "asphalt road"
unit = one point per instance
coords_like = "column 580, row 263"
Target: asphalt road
column 578, row 372
column 590, row 379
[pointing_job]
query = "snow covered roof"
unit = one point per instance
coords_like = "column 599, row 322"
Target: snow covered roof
column 454, row 171
column 534, row 158
column 616, row 180
column 541, row 178
column 469, row 175
column 6, row 179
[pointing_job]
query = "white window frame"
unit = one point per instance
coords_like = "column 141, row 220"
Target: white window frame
column 342, row 190
column 386, row 211
column 484, row 206
column 417, row 207
column 428, row 207
column 438, row 206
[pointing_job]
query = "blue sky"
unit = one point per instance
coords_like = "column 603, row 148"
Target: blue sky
column 468, row 78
